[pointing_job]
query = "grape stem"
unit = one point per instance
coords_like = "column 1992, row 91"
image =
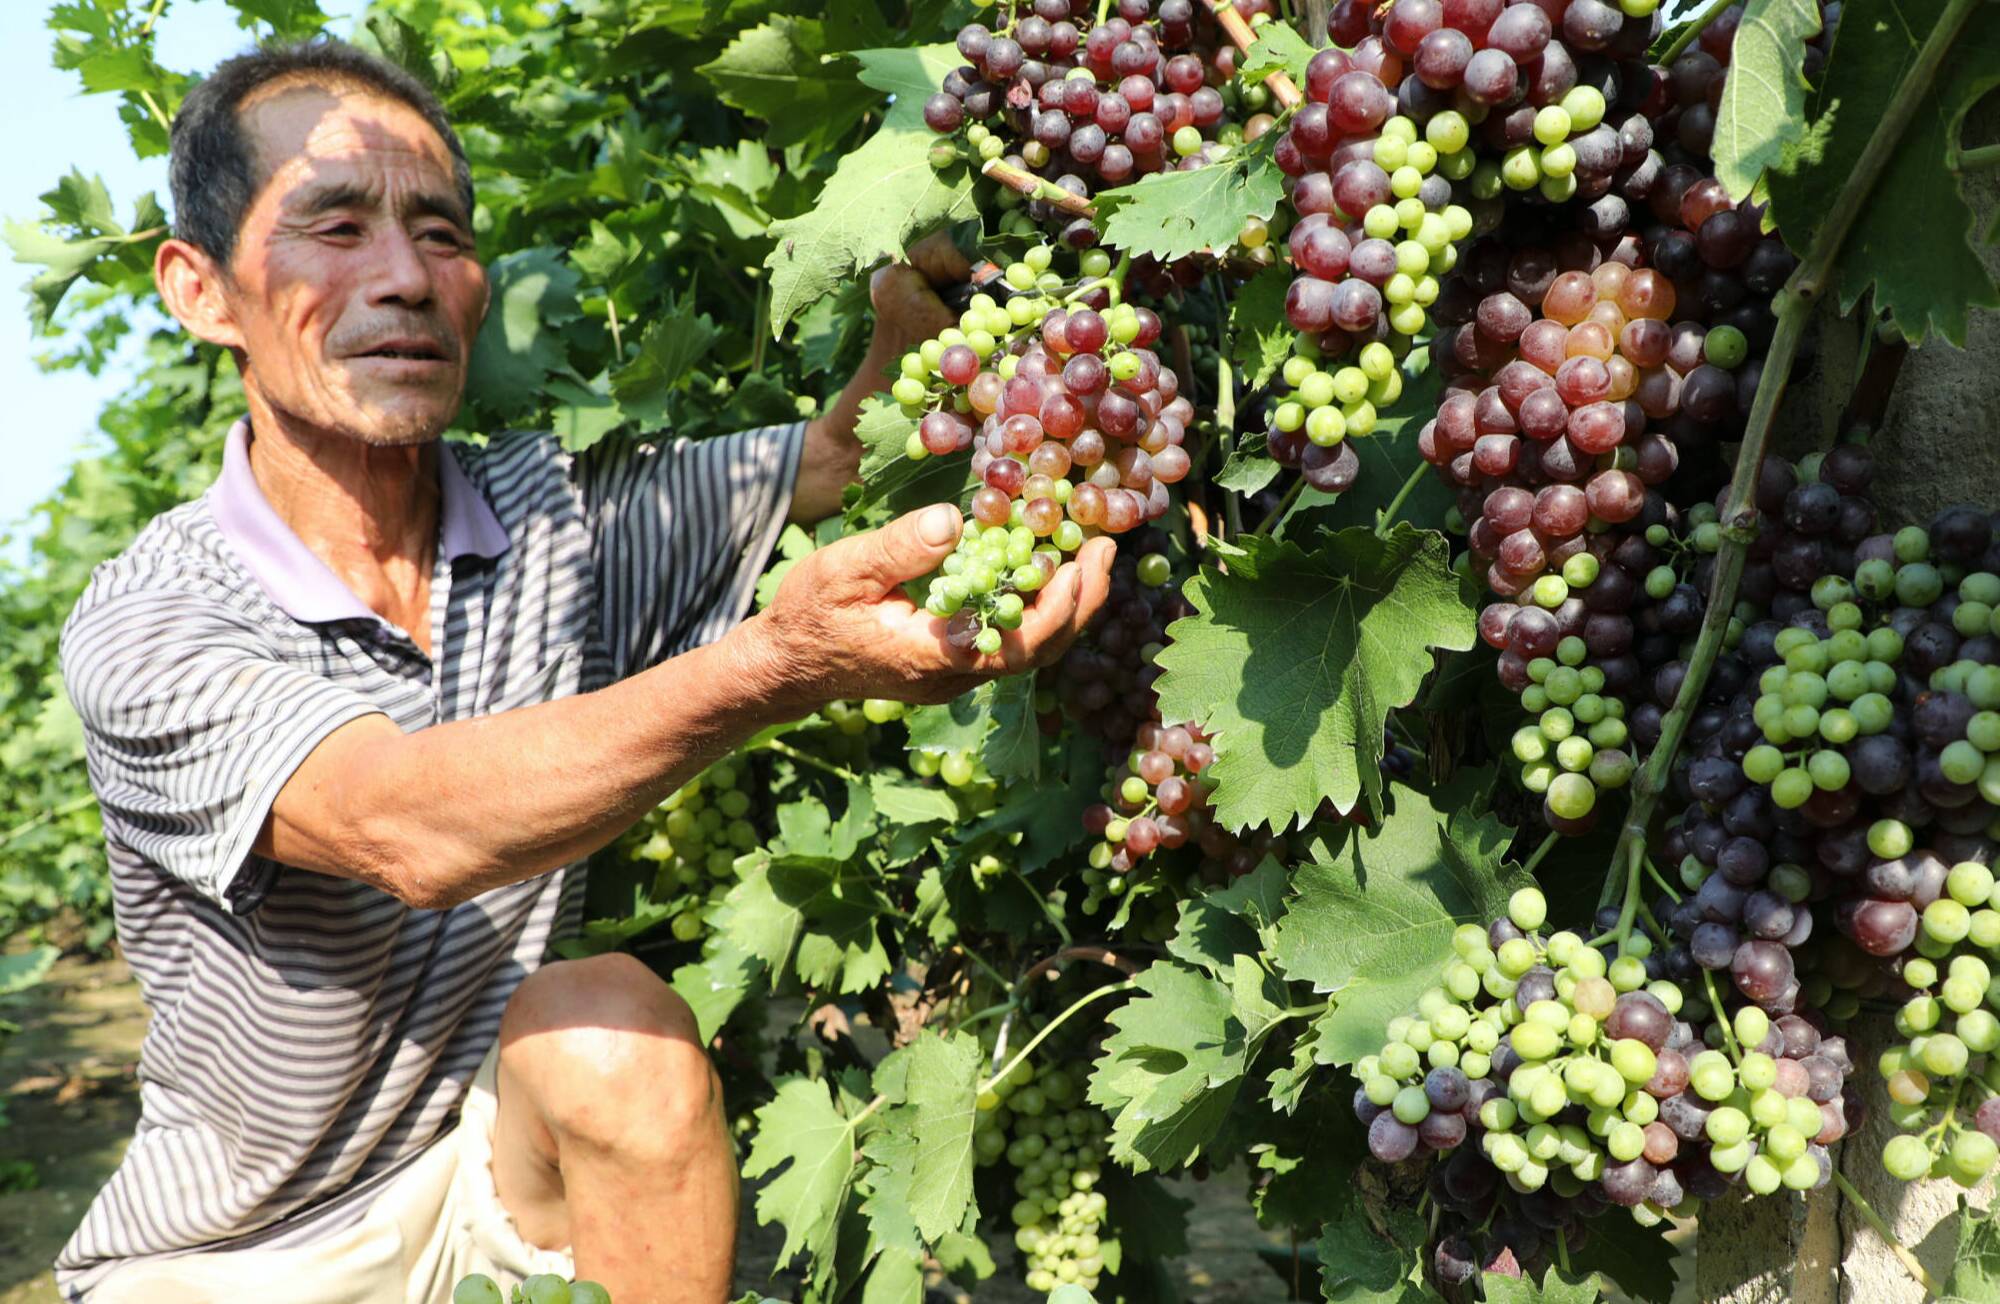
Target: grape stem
column 1562, row 1251
column 807, row 758
column 1661, row 879
column 1692, row 30
column 1541, row 853
column 1283, row 88
column 1225, row 426
column 1721, row 1016
column 1910, row 1263
column 1395, row 507
column 1103, row 955
column 1050, row 1027
column 1034, row 187
column 1968, row 160
column 1793, row 308
column 1277, row 514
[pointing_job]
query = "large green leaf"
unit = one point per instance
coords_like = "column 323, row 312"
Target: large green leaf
column 1260, row 337
column 910, row 74
column 1555, row 1289
column 879, row 196
column 1173, row 1067
column 533, row 291
column 1277, row 49
column 1374, row 909
column 806, row 1138
column 929, row 1129
column 1912, row 243
column 1764, row 97
column 785, row 73
column 1294, row 659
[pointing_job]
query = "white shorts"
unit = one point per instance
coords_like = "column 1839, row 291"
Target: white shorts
column 436, row 1221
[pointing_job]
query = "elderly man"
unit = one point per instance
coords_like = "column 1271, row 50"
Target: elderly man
column 357, row 713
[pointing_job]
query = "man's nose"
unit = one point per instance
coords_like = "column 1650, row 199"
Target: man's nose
column 401, row 274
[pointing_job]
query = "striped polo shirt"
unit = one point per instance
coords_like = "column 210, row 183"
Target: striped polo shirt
column 312, row 1035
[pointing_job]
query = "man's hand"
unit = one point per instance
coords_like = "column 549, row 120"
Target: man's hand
column 907, row 312
column 840, row 626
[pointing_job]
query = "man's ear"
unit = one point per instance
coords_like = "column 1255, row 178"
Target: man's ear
column 191, row 284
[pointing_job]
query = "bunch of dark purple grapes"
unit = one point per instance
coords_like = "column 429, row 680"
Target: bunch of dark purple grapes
column 1092, row 105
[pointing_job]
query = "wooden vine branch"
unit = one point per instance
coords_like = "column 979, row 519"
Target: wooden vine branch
column 1034, row 187
column 1103, row 955
column 1283, row 88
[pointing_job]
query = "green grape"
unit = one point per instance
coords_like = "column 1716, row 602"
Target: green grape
column 545, row 1288
column 477, row 1288
column 1906, row 1158
column 588, row 1292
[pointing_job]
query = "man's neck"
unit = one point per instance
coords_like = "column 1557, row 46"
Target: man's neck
column 370, row 513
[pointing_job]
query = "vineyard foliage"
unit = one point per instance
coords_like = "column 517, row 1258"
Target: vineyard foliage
column 969, row 1015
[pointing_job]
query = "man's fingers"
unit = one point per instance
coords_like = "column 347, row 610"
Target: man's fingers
column 910, row 546
column 903, row 298
column 939, row 259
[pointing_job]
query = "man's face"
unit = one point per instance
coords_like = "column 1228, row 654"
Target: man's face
column 354, row 291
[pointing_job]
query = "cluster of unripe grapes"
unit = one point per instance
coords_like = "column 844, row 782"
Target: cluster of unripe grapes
column 1583, row 1076
column 1035, row 1120
column 1321, row 408
column 1156, row 799
column 1075, row 428
column 542, row 1288
column 694, row 837
column 1941, row 1080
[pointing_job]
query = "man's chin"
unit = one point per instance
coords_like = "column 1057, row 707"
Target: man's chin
column 400, row 425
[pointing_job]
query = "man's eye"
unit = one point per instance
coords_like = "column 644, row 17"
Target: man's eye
column 444, row 237
column 342, row 229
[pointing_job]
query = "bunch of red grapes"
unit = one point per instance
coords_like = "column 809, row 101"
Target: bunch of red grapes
column 1090, row 105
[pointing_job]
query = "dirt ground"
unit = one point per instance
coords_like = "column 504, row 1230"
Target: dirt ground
column 68, row 1081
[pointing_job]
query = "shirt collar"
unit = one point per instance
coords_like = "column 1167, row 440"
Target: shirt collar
column 302, row 585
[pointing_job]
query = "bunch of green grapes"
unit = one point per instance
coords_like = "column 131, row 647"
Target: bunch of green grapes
column 1578, row 743
column 694, row 837
column 542, row 1288
column 1036, row 1120
column 1943, row 1078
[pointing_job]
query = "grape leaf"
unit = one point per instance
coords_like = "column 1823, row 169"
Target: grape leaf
column 880, row 195
column 1170, row 215
column 1293, row 660
column 806, row 1134
column 1260, row 337
column 1913, row 240
column 1764, row 97
column 903, row 801
column 798, row 913
column 1637, row 1259
column 1172, row 1069
column 1013, row 751
column 516, row 352
column 582, row 414
column 1248, row 468
column 1321, row 1138
column 1975, row 1269
column 290, row 20
column 929, row 1128
column 910, row 74
column 1374, row 909
column 1555, row 1289
column 668, row 351
column 81, row 238
column 1277, row 49
column 783, row 72
column 716, row 984
column 1377, row 1260
column 1224, row 923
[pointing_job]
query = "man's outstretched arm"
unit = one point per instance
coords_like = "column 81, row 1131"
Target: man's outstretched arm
column 438, row 816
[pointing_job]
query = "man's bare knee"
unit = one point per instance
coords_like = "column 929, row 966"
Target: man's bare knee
column 613, row 1059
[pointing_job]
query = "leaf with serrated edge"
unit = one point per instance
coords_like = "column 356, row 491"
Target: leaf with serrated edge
column 1555, row 1289
column 1764, row 96
column 1373, row 911
column 1913, row 241
column 1173, row 1068
column 879, row 196
column 1173, row 214
column 1277, row 49
column 1975, row 1268
column 1363, row 1264
column 938, row 1111
column 902, row 801
column 1224, row 923
column 1294, row 659
column 779, row 72
column 801, row 1132
column 1260, row 337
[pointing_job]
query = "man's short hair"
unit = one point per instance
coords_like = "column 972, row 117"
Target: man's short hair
column 213, row 168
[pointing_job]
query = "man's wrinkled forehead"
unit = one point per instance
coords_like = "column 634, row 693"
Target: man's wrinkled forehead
column 337, row 142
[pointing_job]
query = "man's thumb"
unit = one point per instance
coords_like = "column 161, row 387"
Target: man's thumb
column 907, row 547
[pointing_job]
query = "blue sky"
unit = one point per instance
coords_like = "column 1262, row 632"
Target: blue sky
column 55, row 129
